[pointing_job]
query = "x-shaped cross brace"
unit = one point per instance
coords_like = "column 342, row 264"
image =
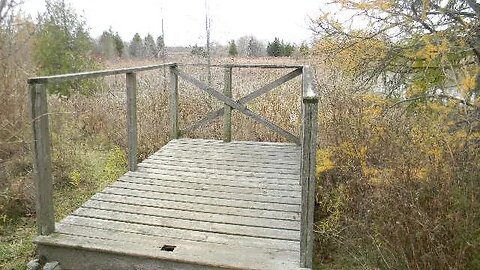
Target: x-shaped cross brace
column 239, row 104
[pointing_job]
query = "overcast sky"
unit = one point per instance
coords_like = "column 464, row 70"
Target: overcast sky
column 184, row 20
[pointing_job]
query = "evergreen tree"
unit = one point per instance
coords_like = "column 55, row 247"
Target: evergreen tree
column 107, row 44
column 275, row 48
column 136, row 47
column 119, row 46
column 62, row 44
column 160, row 46
column 232, row 50
column 150, row 46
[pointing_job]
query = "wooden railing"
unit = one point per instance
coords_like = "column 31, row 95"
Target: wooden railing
column 307, row 138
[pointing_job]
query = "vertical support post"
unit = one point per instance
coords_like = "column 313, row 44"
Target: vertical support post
column 308, row 167
column 174, row 129
column 132, row 120
column 42, row 160
column 227, row 117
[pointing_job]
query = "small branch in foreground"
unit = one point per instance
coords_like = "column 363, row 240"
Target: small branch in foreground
column 459, row 99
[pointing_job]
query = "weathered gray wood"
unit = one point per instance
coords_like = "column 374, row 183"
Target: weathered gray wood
column 227, row 117
column 220, row 172
column 182, row 234
column 255, row 164
column 132, row 120
column 79, row 252
column 266, row 66
column 207, row 193
column 258, row 143
column 271, row 161
column 42, row 160
column 191, row 214
column 310, row 91
column 216, row 186
column 185, row 206
column 174, row 129
column 94, row 74
column 152, row 240
column 231, row 229
column 254, row 94
column 259, row 147
column 233, row 167
column 203, row 200
column 235, row 150
column 175, row 177
column 307, row 178
column 240, row 107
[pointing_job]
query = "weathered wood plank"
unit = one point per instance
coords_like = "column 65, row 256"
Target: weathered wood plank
column 192, row 215
column 220, row 187
column 259, row 158
column 173, row 102
column 203, row 200
column 125, row 255
column 226, row 157
column 206, row 160
column 266, row 66
column 254, row 94
column 274, row 155
column 219, row 172
column 239, row 146
column 233, row 167
column 189, row 224
column 310, row 91
column 42, row 159
column 176, row 233
column 233, row 183
column 93, row 74
column 240, row 107
column 214, row 209
column 259, row 143
column 208, row 193
column 227, row 119
column 132, row 120
column 147, row 239
column 253, row 178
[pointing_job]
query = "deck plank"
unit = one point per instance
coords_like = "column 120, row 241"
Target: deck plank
column 224, row 205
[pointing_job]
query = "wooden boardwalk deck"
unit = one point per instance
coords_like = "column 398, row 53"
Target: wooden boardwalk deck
column 220, row 205
column 195, row 204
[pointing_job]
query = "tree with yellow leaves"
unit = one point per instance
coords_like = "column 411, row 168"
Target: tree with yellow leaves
column 429, row 48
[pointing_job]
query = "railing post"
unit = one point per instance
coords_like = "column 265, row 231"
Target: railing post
column 42, row 160
column 227, row 117
column 308, row 166
column 132, row 120
column 174, row 129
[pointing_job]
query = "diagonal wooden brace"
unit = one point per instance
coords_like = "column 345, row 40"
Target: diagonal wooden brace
column 238, row 106
column 211, row 116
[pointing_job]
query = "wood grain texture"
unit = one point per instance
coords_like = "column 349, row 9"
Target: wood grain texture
column 227, row 116
column 42, row 163
column 237, row 213
column 173, row 103
column 308, row 166
column 132, row 120
column 94, row 74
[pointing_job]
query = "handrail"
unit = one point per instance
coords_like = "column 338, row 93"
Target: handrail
column 94, row 74
column 241, row 65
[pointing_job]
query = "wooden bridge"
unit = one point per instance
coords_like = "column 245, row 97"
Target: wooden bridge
column 194, row 204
